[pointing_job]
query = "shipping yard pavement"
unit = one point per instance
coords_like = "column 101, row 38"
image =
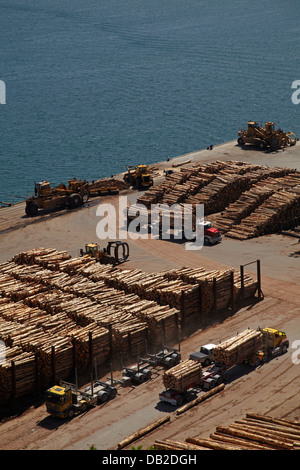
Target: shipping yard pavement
column 271, row 389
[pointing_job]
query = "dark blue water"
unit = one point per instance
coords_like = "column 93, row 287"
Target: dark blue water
column 97, row 85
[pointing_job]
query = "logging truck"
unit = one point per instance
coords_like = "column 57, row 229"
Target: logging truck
column 65, row 400
column 211, row 234
column 255, row 350
column 179, row 380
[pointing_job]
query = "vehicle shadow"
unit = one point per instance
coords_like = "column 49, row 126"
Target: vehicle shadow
column 51, row 423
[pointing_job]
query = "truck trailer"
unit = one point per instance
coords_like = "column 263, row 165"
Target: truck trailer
column 252, row 347
column 179, row 380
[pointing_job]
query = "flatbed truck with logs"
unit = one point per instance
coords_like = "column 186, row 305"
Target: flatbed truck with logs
column 179, row 380
column 252, row 347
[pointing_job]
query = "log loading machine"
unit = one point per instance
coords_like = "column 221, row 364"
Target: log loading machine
column 47, row 198
column 116, row 252
column 138, row 176
column 266, row 137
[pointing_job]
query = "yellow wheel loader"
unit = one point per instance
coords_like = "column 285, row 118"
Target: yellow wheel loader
column 138, row 176
column 266, row 137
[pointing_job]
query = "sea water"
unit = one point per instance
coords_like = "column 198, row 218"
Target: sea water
column 93, row 86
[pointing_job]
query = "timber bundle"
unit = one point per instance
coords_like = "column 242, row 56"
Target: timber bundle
column 254, row 432
column 58, row 312
column 238, row 348
column 183, row 375
column 243, row 200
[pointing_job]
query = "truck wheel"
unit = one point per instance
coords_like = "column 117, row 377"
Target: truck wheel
column 169, row 362
column 71, row 412
column 31, row 210
column 139, row 378
column 257, row 362
column 148, row 375
column 206, row 241
column 262, row 145
column 113, row 393
column 75, row 201
column 84, row 407
column 102, row 397
column 206, row 362
column 240, row 141
column 138, row 182
column 179, row 401
column 225, row 377
column 284, row 349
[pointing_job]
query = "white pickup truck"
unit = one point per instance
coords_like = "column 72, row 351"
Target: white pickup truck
column 204, row 355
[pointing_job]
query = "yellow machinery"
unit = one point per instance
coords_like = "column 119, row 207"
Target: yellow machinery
column 48, row 198
column 274, row 342
column 266, row 137
column 138, row 176
column 65, row 400
column 103, row 191
column 109, row 255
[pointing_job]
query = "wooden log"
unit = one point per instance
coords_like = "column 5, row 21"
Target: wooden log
column 276, row 444
column 273, row 432
column 212, row 444
column 170, row 444
column 142, row 432
column 269, row 419
column 239, row 348
column 243, row 443
column 200, row 399
column 182, row 376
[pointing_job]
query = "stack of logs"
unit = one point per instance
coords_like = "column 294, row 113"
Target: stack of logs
column 239, row 348
column 254, row 432
column 58, row 312
column 183, row 376
column 279, row 211
column 255, row 200
column 54, row 320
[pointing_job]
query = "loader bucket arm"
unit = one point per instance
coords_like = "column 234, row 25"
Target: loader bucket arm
column 292, row 139
column 116, row 246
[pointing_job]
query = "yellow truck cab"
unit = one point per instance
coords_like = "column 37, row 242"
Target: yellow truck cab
column 64, row 401
column 274, row 342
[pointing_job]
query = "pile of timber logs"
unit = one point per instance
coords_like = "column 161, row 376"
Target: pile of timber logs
column 254, row 432
column 239, row 348
column 278, row 212
column 20, row 376
column 236, row 188
column 183, row 376
column 215, row 286
column 108, row 183
column 57, row 312
column 46, row 257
